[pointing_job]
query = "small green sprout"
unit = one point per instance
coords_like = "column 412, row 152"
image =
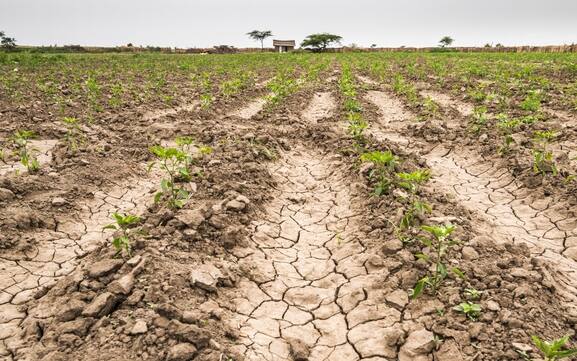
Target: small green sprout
column 532, row 102
column 72, row 132
column 385, row 163
column 473, row 294
column 439, row 242
column 174, row 162
column 412, row 181
column 21, row 140
column 469, row 309
column 123, row 223
column 543, row 161
column 554, row 350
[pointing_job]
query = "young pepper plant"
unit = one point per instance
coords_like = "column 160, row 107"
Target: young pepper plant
column 554, row 350
column 542, row 157
column 385, row 163
column 411, row 182
column 123, row 223
column 27, row 158
column 174, row 163
column 439, row 241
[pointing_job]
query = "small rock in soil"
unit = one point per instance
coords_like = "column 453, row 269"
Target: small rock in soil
column 235, row 205
column 169, row 311
column 189, row 333
column 79, row 327
column 449, row 351
column 181, row 352
column 392, row 246
column 139, row 328
column 493, row 306
column 104, row 267
column 206, row 277
column 6, row 195
column 122, row 286
column 419, row 343
column 70, row 310
column 469, row 253
column 101, row 305
column 191, row 217
column 398, row 299
column 59, row 201
column 134, row 261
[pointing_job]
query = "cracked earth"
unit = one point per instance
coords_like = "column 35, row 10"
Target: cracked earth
column 313, row 284
column 57, row 253
column 41, row 149
column 507, row 210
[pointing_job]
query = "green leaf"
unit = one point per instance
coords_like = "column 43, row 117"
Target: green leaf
column 419, row 287
column 458, row 272
column 422, row 256
column 109, row 226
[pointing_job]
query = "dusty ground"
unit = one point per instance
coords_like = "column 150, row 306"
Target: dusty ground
column 282, row 253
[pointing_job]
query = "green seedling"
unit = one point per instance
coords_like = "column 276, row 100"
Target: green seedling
column 21, row 140
column 412, row 181
column 281, row 86
column 473, row 294
column 174, row 163
column 116, row 91
column 384, row 163
column 357, row 126
column 542, row 157
column 554, row 350
column 439, row 241
column 72, row 132
column 479, row 119
column 471, row 310
column 431, row 108
column 123, row 223
column 417, row 208
column 206, row 101
column 532, row 102
column 507, row 127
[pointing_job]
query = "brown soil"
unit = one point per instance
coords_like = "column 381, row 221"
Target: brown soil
column 282, row 253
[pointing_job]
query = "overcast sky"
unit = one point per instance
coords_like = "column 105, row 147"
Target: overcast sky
column 204, row 23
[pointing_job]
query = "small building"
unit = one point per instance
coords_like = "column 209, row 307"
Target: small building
column 282, row 46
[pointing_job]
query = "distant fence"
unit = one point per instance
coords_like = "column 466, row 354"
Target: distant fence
column 496, row 49
column 226, row 49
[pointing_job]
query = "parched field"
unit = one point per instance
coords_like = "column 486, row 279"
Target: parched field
column 334, row 207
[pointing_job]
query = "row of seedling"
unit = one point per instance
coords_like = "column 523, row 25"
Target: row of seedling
column 352, row 108
column 175, row 164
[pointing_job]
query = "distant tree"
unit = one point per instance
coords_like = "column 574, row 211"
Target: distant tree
column 446, row 41
column 373, row 46
column 260, row 36
column 7, row 42
column 488, row 45
column 320, row 42
column 499, row 45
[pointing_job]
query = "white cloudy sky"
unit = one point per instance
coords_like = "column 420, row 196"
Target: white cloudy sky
column 204, row 23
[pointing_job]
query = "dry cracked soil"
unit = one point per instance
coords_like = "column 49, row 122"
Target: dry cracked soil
column 282, row 252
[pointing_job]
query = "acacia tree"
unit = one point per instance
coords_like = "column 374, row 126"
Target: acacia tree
column 7, row 42
column 445, row 41
column 320, row 42
column 260, row 36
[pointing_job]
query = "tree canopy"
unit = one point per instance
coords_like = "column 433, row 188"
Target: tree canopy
column 446, row 41
column 319, row 42
column 260, row 35
column 7, row 42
